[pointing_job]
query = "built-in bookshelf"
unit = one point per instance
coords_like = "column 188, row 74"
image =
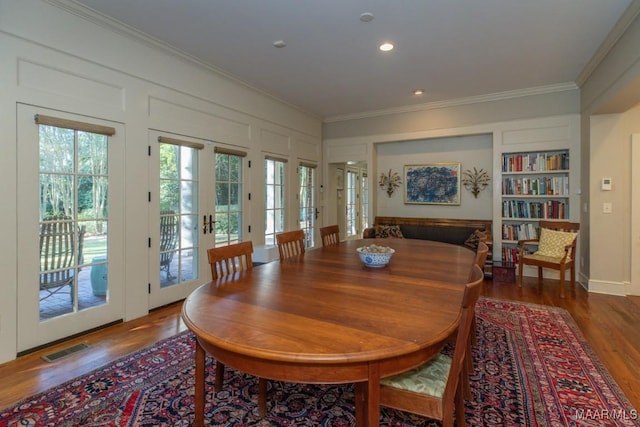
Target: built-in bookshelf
column 535, row 186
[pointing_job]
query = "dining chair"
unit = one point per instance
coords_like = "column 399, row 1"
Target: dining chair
column 290, row 244
column 225, row 261
column 330, row 235
column 556, row 250
column 434, row 389
column 479, row 260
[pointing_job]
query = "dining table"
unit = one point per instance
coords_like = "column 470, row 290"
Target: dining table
column 325, row 317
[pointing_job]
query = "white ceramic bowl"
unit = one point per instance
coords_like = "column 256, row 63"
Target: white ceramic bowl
column 375, row 259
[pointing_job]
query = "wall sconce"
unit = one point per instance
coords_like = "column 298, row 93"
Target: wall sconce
column 475, row 181
column 390, row 182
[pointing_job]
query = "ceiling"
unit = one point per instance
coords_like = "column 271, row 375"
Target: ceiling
column 331, row 65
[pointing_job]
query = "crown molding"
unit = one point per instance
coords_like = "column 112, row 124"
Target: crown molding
column 609, row 42
column 498, row 96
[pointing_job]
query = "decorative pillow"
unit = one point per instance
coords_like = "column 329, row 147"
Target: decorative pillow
column 552, row 242
column 473, row 240
column 383, row 231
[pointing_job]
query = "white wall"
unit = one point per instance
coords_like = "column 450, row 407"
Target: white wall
column 608, row 94
column 54, row 54
column 610, row 157
column 470, row 151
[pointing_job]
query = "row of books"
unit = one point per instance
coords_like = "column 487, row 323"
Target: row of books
column 550, row 209
column 510, row 255
column 548, row 186
column 535, row 162
column 519, row 231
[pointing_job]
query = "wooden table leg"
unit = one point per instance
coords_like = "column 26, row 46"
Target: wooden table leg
column 373, row 396
column 360, row 403
column 199, row 385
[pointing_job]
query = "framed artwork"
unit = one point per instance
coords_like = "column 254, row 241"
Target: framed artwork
column 432, row 184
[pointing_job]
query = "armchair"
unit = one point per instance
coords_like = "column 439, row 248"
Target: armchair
column 556, row 250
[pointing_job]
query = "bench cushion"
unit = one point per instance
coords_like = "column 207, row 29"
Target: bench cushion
column 454, row 235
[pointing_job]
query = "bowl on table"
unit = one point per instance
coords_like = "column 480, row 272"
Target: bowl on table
column 375, row 256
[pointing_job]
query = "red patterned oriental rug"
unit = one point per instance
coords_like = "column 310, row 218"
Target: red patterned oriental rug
column 533, row 368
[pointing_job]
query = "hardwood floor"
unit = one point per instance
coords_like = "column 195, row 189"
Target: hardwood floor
column 609, row 323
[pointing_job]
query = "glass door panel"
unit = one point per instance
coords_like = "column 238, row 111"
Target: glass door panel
column 352, row 203
column 228, row 198
column 307, row 214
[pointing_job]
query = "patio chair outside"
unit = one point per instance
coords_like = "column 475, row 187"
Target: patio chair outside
column 60, row 255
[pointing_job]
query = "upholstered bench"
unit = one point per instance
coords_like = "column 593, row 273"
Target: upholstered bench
column 455, row 231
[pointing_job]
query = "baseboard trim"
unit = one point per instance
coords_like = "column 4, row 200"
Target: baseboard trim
column 606, row 287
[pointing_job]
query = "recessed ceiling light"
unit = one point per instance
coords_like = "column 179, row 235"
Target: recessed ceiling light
column 386, row 47
column 418, row 92
column 366, row 17
column 279, row 44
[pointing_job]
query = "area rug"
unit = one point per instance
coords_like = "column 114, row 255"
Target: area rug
column 532, row 368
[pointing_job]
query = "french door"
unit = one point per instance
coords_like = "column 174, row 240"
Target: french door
column 182, row 217
column 70, row 192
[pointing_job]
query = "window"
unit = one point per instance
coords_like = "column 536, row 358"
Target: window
column 307, row 215
column 274, row 199
column 228, row 198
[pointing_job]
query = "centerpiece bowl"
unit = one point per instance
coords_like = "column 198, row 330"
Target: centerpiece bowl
column 375, row 256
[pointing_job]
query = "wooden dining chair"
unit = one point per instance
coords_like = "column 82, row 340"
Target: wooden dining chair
column 290, row 244
column 556, row 250
column 481, row 256
column 434, row 389
column 225, row 261
column 330, row 235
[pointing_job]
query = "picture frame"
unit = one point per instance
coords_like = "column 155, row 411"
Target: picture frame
column 432, row 184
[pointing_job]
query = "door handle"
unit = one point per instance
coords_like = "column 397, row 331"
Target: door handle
column 207, row 224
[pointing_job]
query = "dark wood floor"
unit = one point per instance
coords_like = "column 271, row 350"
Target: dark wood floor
column 609, row 323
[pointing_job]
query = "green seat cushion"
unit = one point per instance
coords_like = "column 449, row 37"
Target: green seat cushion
column 430, row 378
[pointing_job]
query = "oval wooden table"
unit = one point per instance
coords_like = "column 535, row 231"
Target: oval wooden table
column 326, row 318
